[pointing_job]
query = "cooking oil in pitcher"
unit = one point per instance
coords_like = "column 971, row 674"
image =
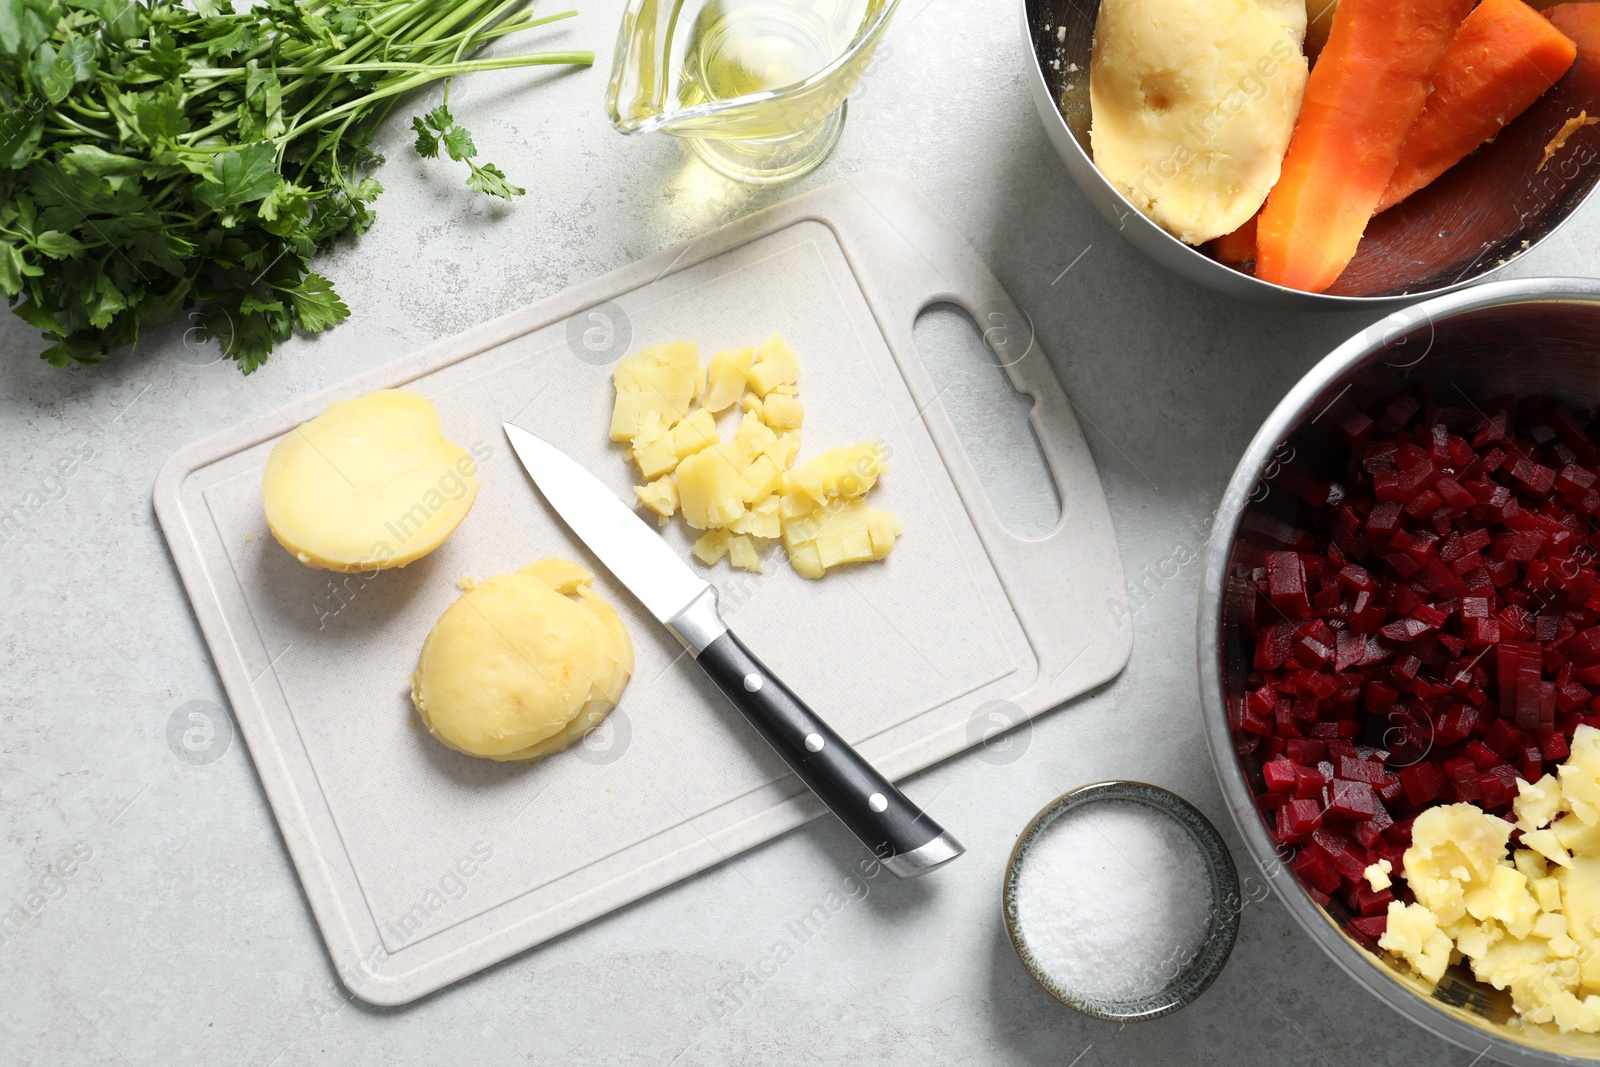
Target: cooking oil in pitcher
column 756, row 86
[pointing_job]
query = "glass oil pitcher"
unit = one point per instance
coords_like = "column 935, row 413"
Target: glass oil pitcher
column 756, row 87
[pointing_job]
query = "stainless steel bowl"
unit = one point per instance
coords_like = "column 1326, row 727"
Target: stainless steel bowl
column 1481, row 215
column 1534, row 337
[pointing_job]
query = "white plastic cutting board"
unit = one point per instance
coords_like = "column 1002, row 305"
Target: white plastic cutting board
column 423, row 865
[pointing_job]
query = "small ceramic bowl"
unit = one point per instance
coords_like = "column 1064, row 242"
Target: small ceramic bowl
column 1226, row 902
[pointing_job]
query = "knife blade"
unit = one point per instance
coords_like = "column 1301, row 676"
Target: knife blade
column 902, row 837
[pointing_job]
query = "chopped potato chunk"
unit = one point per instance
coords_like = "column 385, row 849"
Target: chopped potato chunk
column 660, row 378
column 742, row 553
column 782, row 412
column 710, row 489
column 725, row 382
column 775, row 364
column 660, row 496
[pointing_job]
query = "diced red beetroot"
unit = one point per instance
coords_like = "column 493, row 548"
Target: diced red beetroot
column 1315, row 870
column 1286, row 583
column 1368, row 903
column 1462, row 773
column 1423, row 783
column 1279, row 775
column 1573, row 482
column 1306, row 752
column 1272, row 646
column 1347, row 858
column 1368, row 929
column 1309, row 783
column 1352, row 800
column 1297, row 820
column 1533, row 477
column 1554, row 748
column 1369, row 832
column 1401, row 410
column 1454, row 494
column 1352, row 424
column 1494, row 791
column 1384, row 521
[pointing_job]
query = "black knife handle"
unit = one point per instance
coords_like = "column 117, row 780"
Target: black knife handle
column 898, row 832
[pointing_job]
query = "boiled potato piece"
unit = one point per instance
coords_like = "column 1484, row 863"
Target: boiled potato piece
column 727, row 377
column 782, row 412
column 657, row 451
column 775, row 365
column 522, row 664
column 759, row 519
column 660, row 378
column 848, row 531
column 1293, row 15
column 1193, row 103
column 850, row 471
column 742, row 553
column 710, row 489
column 370, row 483
column 660, row 496
column 711, row 546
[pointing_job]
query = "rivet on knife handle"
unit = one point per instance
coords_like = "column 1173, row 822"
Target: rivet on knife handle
column 898, row 832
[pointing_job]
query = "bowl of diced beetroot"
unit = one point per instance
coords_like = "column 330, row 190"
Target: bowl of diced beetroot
column 1401, row 609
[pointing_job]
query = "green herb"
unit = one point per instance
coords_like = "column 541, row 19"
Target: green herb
column 154, row 158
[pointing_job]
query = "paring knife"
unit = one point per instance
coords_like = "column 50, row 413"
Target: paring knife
column 903, row 838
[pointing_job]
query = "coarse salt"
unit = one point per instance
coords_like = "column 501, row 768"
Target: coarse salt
column 1113, row 900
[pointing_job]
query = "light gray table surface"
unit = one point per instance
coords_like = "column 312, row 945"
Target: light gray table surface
column 182, row 936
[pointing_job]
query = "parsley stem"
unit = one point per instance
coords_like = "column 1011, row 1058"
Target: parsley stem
column 439, row 70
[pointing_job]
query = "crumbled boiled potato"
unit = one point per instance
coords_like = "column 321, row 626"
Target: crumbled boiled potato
column 1529, row 924
column 746, row 491
column 1377, row 875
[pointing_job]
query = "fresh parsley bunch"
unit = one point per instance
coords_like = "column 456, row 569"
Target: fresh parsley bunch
column 154, row 157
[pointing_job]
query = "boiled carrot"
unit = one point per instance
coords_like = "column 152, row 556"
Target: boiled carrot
column 1363, row 97
column 1238, row 246
column 1505, row 56
column 1581, row 22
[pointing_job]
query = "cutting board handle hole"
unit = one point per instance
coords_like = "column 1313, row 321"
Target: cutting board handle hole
column 967, row 365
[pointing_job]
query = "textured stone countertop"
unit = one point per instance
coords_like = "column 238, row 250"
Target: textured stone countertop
column 182, row 935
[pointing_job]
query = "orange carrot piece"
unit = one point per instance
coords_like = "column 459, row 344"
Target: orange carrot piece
column 1505, row 56
column 1238, row 246
column 1580, row 21
column 1363, row 97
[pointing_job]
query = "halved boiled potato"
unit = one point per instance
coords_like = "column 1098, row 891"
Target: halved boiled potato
column 523, row 664
column 1193, row 103
column 370, row 483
